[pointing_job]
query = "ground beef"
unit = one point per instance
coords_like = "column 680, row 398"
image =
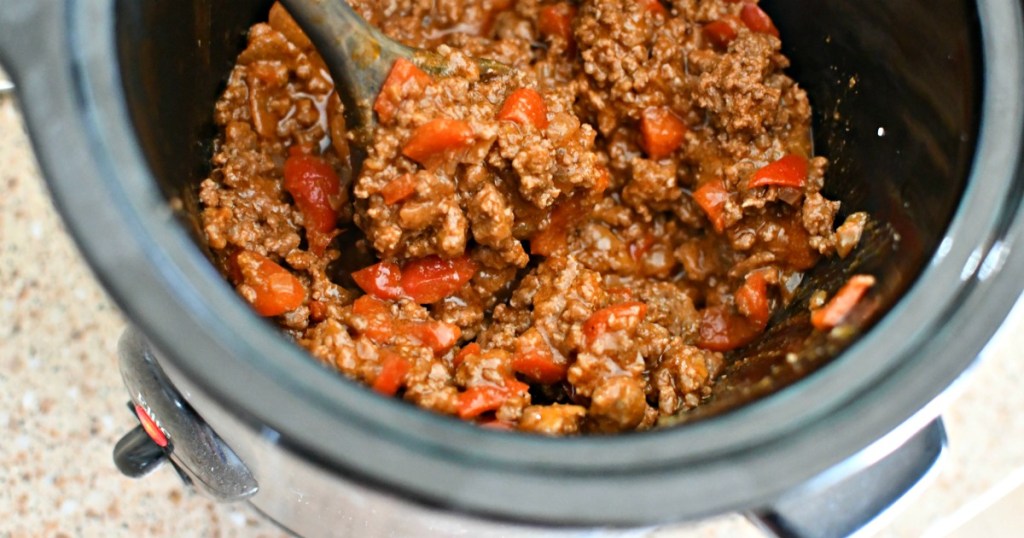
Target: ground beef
column 568, row 248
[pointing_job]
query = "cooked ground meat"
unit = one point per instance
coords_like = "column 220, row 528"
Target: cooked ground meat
column 569, row 248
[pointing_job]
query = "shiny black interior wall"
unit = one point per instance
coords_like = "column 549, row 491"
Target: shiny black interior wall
column 896, row 89
column 175, row 58
column 896, row 86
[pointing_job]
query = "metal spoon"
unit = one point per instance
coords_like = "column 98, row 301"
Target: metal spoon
column 360, row 56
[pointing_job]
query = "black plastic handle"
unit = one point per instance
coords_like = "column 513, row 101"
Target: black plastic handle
column 136, row 455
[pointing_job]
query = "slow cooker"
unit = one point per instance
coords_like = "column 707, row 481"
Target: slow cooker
column 918, row 107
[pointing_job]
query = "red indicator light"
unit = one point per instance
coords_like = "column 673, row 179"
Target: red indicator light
column 150, row 426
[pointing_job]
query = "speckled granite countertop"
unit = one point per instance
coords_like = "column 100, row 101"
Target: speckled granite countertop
column 62, row 402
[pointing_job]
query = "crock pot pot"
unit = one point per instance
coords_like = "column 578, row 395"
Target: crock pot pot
column 918, row 107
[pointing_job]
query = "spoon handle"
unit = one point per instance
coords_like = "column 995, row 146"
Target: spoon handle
column 359, row 55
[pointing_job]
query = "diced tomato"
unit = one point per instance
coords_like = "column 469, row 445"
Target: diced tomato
column 712, row 197
column 612, row 318
column 655, row 6
column 722, row 330
column 431, row 141
column 480, row 399
column 555, row 20
column 276, row 290
column 393, row 370
column 789, row 171
column 540, row 368
column 314, row 185
column 369, row 306
column 469, row 349
column 405, row 80
column 662, row 132
column 757, row 20
column 379, row 323
column 525, row 107
column 399, row 189
column 382, row 280
column 428, row 280
column 752, row 299
column 842, row 303
column 439, row 336
column 554, row 237
column 533, row 358
column 721, row 32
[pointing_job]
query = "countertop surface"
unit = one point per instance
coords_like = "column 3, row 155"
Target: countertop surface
column 63, row 404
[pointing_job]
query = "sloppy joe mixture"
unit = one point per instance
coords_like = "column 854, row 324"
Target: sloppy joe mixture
column 570, row 248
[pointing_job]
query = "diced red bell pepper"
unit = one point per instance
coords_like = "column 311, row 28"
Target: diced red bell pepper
column 757, row 20
column 752, row 299
column 662, row 132
column 315, row 187
column 393, row 370
column 712, row 197
column 399, row 189
column 468, row 350
column 830, row 315
column 722, row 330
column 721, row 32
column 405, row 80
column 382, row 280
column 789, row 171
column 525, row 107
column 276, row 290
column 554, row 238
column 533, row 358
column 480, row 399
column 428, row 280
column 555, row 20
column 379, row 323
column 613, row 317
column 431, row 141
